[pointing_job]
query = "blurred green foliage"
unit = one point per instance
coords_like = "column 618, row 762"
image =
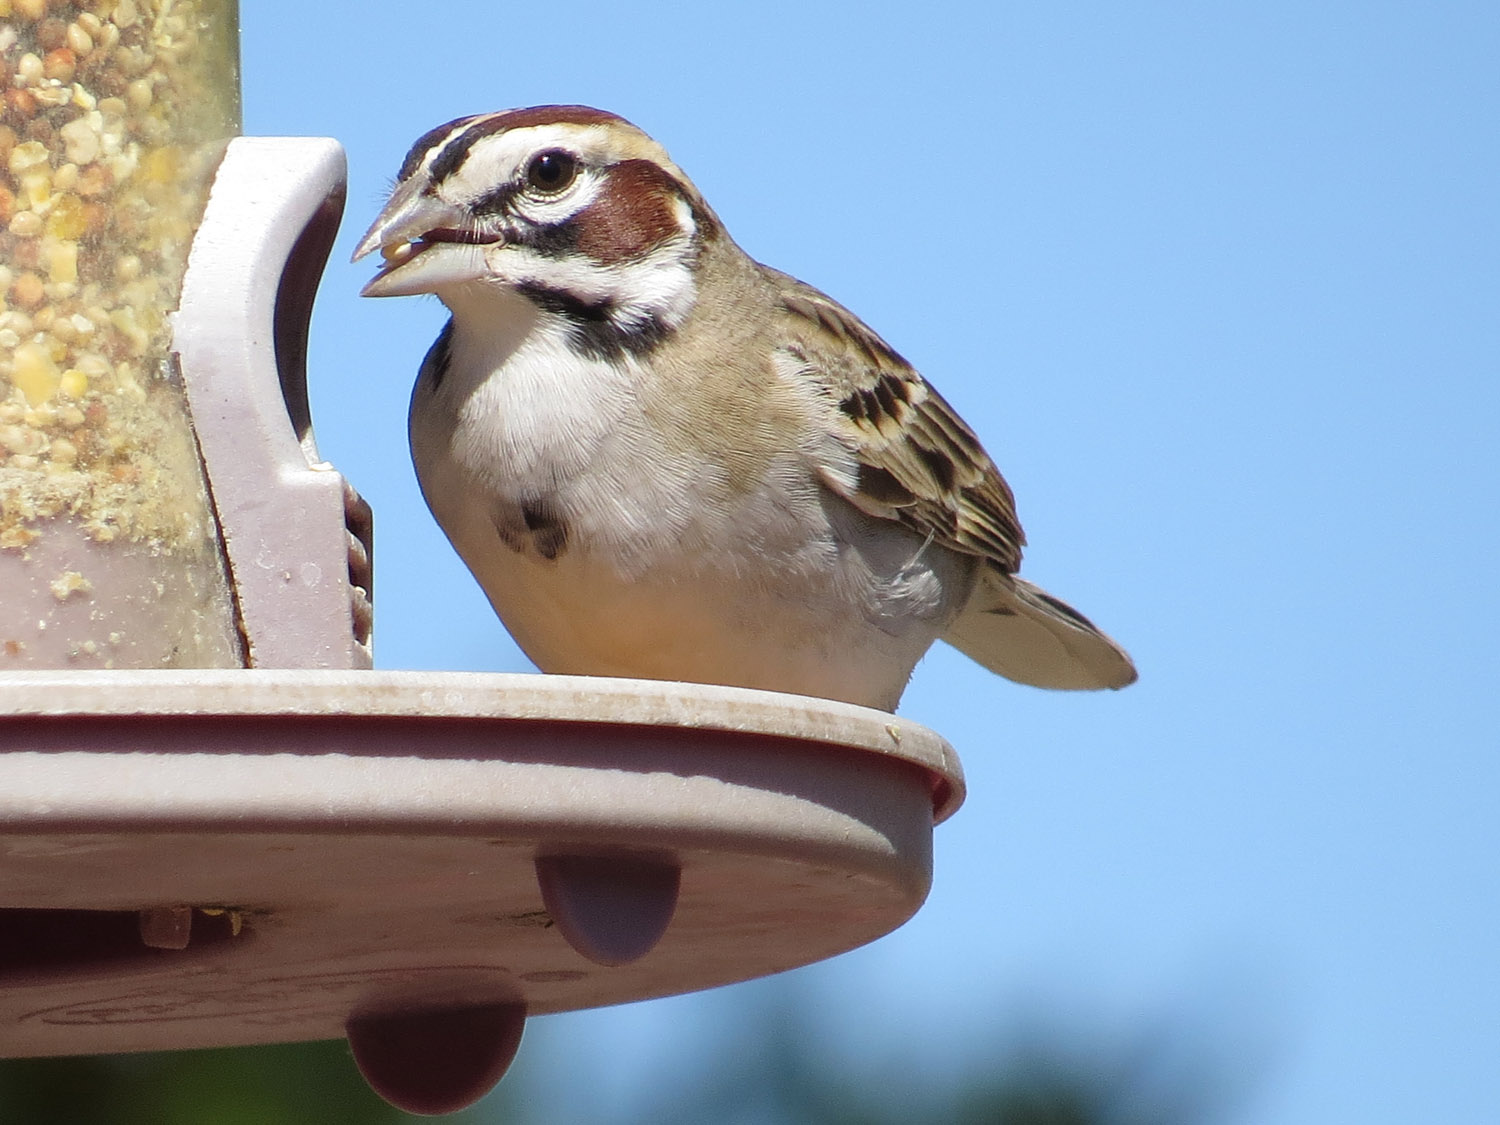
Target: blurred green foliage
column 287, row 1084
column 773, row 1070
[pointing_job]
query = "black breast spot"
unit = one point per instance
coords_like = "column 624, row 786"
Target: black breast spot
column 536, row 524
column 549, row 531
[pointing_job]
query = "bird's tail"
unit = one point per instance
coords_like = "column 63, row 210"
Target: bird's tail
column 1025, row 634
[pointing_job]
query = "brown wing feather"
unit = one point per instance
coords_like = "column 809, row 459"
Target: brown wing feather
column 918, row 462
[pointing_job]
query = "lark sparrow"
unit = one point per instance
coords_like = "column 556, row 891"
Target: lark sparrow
column 663, row 460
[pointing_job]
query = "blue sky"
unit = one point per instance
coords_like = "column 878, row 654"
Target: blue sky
column 1218, row 285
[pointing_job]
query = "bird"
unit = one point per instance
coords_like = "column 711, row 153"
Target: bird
column 663, row 460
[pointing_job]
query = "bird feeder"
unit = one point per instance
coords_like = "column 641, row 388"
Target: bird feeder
column 219, row 825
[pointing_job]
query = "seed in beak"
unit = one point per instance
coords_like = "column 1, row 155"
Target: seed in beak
column 395, row 253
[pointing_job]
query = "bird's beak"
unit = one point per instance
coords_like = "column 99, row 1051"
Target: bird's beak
column 428, row 245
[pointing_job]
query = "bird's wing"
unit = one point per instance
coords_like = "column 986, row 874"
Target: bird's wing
column 917, row 462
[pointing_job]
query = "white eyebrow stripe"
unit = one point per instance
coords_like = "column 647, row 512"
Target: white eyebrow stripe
column 480, row 158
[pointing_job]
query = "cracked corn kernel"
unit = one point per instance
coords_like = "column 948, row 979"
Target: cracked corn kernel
column 34, row 373
column 37, row 186
column 73, row 383
column 161, row 165
column 62, row 262
column 66, row 217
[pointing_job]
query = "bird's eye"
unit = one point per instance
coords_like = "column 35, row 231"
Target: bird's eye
column 551, row 171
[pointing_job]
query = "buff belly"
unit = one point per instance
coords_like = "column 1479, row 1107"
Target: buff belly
column 575, row 616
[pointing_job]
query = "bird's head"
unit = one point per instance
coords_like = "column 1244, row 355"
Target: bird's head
column 571, row 207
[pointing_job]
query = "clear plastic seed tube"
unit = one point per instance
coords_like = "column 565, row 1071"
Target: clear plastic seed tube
column 115, row 114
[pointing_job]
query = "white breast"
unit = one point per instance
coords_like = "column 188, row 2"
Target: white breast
column 665, row 573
